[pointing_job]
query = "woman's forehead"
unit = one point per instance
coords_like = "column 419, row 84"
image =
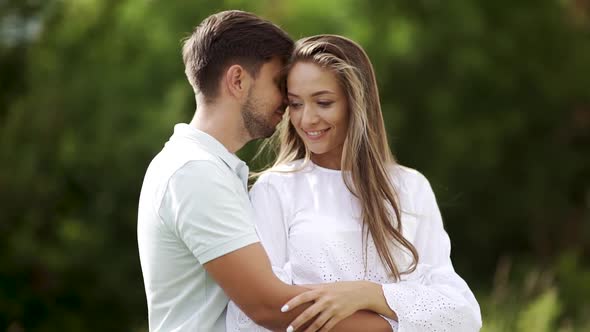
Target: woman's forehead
column 306, row 77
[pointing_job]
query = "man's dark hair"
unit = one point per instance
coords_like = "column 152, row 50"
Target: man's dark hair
column 231, row 37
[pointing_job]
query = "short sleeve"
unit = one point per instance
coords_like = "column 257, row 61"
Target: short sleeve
column 208, row 210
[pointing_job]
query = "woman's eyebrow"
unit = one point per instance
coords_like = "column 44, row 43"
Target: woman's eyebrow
column 322, row 92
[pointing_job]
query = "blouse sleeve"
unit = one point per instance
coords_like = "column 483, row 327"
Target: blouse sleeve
column 272, row 230
column 434, row 297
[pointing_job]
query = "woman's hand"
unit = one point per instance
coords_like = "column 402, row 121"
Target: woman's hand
column 332, row 303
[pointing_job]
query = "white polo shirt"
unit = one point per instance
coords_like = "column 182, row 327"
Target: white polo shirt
column 193, row 208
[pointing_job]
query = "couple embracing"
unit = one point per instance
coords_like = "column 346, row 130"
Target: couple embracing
column 335, row 236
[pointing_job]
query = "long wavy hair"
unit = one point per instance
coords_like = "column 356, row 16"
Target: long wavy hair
column 367, row 160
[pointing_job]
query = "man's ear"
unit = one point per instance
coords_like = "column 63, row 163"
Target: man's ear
column 237, row 81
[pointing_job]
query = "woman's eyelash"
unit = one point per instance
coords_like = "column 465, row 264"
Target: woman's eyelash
column 321, row 103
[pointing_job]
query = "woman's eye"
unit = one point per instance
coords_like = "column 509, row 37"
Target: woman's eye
column 294, row 105
column 325, row 103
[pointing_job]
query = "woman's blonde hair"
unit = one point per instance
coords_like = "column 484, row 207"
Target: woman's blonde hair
column 367, row 160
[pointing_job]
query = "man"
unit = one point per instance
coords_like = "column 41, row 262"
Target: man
column 196, row 237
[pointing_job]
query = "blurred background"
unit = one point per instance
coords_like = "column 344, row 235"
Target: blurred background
column 489, row 99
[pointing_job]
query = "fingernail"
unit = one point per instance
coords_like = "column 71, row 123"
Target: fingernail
column 290, row 328
column 285, row 308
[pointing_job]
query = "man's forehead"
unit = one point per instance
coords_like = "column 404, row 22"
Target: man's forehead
column 274, row 68
column 274, row 65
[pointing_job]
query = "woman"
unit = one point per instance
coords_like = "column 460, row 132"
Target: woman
column 336, row 207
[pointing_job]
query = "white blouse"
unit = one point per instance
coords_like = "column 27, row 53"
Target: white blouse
column 309, row 223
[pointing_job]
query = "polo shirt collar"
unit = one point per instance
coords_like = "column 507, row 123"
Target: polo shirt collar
column 212, row 145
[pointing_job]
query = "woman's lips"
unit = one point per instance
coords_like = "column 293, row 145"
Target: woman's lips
column 315, row 135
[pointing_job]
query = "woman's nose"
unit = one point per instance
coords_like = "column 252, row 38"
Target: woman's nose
column 309, row 117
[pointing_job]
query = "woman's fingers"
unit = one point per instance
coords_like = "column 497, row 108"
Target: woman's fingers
column 331, row 304
column 298, row 300
column 319, row 322
column 314, row 286
column 306, row 315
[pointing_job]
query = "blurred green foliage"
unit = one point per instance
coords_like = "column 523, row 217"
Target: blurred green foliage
column 533, row 298
column 489, row 99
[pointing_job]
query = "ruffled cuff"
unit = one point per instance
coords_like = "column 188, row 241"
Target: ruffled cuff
column 427, row 307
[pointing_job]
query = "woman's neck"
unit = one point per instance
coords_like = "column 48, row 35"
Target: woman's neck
column 331, row 159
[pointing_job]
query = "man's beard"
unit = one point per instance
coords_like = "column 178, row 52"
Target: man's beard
column 255, row 123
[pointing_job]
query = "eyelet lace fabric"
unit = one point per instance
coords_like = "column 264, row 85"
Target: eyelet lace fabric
column 432, row 300
column 312, row 234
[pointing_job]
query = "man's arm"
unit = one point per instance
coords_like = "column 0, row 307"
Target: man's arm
column 246, row 277
column 207, row 213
